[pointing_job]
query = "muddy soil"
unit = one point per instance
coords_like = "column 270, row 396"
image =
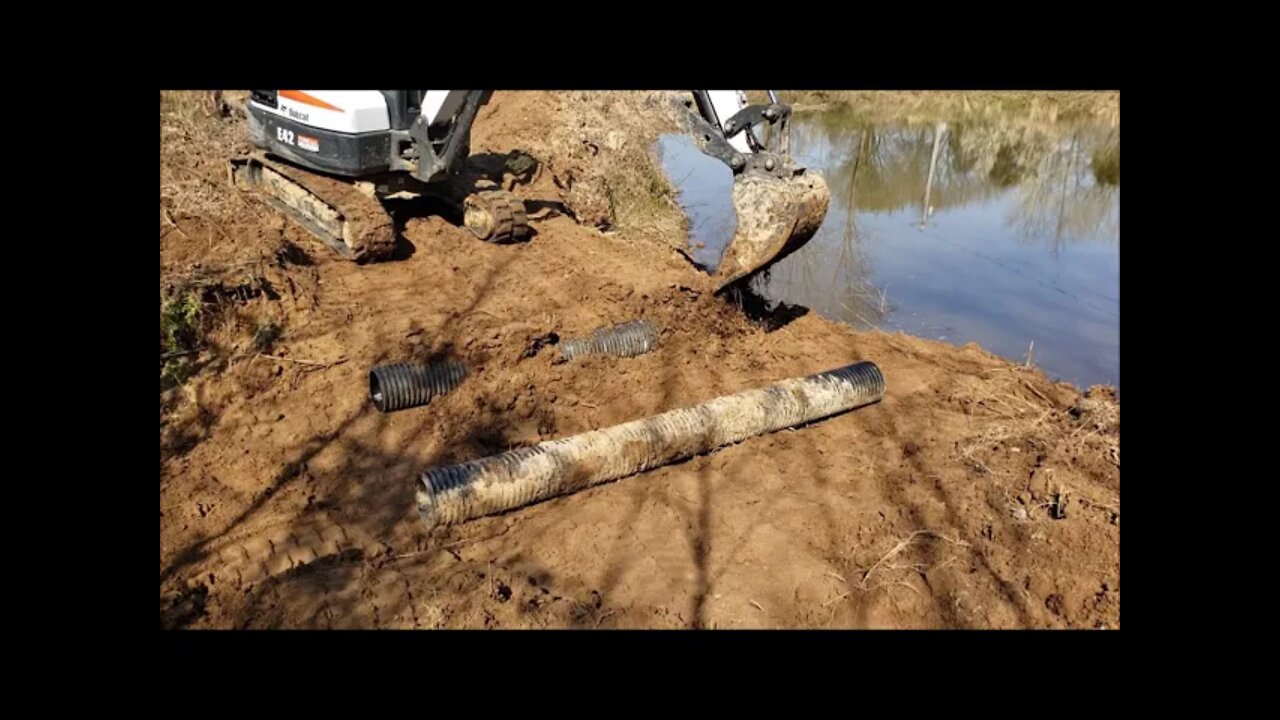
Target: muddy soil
column 978, row 494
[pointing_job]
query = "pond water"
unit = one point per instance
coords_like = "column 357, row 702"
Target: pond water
column 1004, row 236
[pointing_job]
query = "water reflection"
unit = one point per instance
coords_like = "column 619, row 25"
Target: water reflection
column 1002, row 235
column 1052, row 171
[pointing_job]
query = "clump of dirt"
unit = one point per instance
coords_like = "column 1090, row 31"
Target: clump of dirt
column 976, row 494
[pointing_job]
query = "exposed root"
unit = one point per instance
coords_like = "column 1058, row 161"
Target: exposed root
column 902, row 546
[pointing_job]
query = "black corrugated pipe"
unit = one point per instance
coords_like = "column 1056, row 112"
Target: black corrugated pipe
column 406, row 385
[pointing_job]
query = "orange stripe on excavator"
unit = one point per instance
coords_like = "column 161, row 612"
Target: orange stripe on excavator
column 299, row 96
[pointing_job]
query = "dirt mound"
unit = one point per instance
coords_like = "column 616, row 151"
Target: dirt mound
column 977, row 494
column 595, row 155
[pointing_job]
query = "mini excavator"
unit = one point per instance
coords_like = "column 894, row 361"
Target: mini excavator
column 328, row 159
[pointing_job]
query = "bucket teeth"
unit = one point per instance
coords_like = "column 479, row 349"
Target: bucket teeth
column 776, row 216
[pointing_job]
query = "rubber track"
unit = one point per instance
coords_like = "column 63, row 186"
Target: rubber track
column 370, row 234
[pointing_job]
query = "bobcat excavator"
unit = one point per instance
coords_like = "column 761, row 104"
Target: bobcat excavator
column 327, row 158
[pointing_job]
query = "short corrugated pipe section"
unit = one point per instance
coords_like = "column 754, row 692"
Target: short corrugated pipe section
column 406, row 385
column 624, row 340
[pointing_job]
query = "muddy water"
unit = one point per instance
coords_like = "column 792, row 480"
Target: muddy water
column 1008, row 237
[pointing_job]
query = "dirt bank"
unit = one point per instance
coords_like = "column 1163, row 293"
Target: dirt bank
column 977, row 494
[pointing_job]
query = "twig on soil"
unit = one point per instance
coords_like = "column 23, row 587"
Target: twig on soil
column 310, row 363
column 601, row 618
column 903, row 583
column 831, row 574
column 837, row 598
column 164, row 212
column 1019, row 398
column 1113, row 508
column 476, row 540
column 908, row 586
column 402, row 556
column 981, row 465
column 945, row 563
column 921, row 567
column 757, row 606
column 1037, row 392
column 177, row 353
column 902, row 546
column 210, row 181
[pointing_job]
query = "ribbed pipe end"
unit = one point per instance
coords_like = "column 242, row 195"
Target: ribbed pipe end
column 864, row 379
column 406, row 385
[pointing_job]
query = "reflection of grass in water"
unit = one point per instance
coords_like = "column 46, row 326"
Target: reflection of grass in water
column 892, row 162
column 866, row 304
column 847, row 294
column 1059, row 201
column 1007, row 170
column 1048, row 168
column 1044, row 171
column 1106, row 165
column 1020, row 106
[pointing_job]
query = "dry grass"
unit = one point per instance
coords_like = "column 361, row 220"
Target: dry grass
column 209, row 310
column 213, row 289
column 902, row 545
column 598, row 147
column 1013, row 410
column 195, row 137
column 1035, row 106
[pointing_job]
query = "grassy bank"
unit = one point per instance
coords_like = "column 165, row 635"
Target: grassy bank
column 958, row 105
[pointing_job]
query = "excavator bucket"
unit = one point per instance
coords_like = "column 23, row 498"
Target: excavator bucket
column 776, row 216
column 779, row 206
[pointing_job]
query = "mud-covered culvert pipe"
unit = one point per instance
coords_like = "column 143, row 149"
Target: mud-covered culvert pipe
column 406, row 385
column 456, row 493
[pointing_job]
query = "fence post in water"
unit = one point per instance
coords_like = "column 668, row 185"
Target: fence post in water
column 933, row 163
column 508, row 480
